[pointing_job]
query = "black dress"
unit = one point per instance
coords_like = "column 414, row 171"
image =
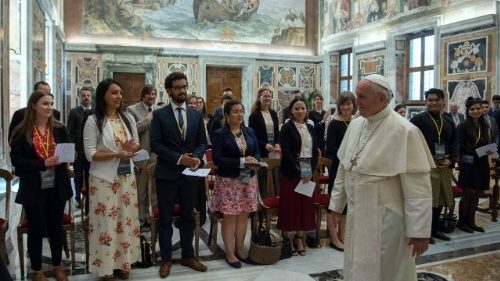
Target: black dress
column 334, row 136
column 474, row 170
column 319, row 127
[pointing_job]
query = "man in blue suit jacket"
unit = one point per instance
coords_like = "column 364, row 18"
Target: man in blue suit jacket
column 178, row 138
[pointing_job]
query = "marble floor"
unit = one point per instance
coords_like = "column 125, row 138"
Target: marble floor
column 468, row 257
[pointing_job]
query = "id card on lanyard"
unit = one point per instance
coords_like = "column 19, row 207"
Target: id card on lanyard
column 124, row 168
column 48, row 178
column 305, row 167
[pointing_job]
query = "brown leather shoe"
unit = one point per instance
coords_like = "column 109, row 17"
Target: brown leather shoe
column 165, row 268
column 39, row 276
column 60, row 274
column 121, row 274
column 194, row 264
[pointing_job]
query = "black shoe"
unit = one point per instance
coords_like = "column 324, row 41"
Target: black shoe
column 335, row 247
column 477, row 228
column 432, row 241
column 465, row 228
column 246, row 260
column 236, row 264
column 440, row 235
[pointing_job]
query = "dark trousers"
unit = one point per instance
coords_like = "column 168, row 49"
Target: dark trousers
column 183, row 191
column 436, row 213
column 46, row 215
column 78, row 178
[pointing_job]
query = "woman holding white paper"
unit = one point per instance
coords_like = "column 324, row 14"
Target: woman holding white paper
column 299, row 154
column 474, row 170
column 110, row 141
column 236, row 154
column 44, row 185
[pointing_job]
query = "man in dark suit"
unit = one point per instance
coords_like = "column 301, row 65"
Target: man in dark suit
column 19, row 114
column 456, row 117
column 75, row 119
column 485, row 105
column 178, row 138
column 216, row 121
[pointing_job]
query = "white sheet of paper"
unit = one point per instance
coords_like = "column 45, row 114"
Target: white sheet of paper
column 483, row 150
column 274, row 155
column 65, row 152
column 305, row 189
column 141, row 155
column 198, row 173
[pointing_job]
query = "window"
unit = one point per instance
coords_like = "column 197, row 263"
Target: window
column 419, row 65
column 345, row 74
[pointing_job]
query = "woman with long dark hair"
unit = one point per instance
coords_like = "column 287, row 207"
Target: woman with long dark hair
column 299, row 154
column 474, row 170
column 44, row 185
column 110, row 140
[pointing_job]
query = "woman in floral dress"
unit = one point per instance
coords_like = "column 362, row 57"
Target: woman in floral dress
column 235, row 153
column 110, row 141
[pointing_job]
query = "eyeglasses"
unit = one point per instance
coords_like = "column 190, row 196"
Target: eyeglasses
column 185, row 87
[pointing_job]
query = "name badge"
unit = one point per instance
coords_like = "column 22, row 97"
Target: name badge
column 124, row 168
column 245, row 176
column 439, row 151
column 467, row 159
column 48, row 178
column 305, row 168
column 270, row 138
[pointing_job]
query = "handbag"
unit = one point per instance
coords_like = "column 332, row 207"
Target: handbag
column 447, row 222
column 145, row 260
column 263, row 250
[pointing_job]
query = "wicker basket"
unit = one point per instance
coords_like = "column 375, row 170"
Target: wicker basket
column 264, row 254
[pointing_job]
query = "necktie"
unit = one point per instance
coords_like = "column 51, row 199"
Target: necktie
column 180, row 120
column 150, row 109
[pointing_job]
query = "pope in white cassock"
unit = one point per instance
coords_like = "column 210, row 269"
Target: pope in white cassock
column 384, row 178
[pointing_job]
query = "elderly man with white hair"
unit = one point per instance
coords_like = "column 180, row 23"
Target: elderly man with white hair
column 384, row 177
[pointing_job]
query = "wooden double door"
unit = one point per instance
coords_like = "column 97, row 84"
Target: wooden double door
column 132, row 84
column 219, row 78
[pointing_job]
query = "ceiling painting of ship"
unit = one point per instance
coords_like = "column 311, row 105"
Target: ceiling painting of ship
column 240, row 21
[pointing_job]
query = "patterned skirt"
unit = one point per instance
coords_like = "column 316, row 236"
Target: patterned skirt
column 231, row 196
column 113, row 225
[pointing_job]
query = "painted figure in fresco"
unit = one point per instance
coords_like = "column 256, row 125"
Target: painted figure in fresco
column 342, row 14
column 375, row 10
column 462, row 91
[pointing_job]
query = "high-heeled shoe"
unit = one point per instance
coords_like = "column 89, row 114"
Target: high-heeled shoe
column 301, row 252
column 332, row 245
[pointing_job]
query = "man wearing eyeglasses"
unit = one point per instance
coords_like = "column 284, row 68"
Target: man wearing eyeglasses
column 178, row 138
column 143, row 114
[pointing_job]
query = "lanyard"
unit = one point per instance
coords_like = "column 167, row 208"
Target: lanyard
column 240, row 141
column 45, row 146
column 438, row 129
column 478, row 135
column 183, row 129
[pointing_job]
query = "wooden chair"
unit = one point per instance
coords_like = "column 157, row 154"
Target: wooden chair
column 213, row 216
column 268, row 206
column 493, row 197
column 4, row 221
column 216, row 216
column 321, row 199
column 155, row 216
column 68, row 225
